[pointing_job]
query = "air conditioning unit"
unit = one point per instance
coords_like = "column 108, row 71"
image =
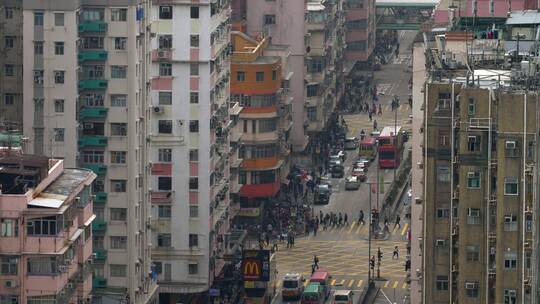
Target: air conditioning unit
column 62, row 268
column 77, row 200
column 470, row 285
column 158, row 110
column 454, row 268
column 88, row 125
column 417, row 200
column 10, row 284
column 440, row 243
column 510, row 145
column 162, row 54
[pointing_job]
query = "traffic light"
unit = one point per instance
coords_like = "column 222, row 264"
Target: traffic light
column 372, row 264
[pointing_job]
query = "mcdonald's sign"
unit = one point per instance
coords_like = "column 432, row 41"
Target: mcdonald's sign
column 256, row 265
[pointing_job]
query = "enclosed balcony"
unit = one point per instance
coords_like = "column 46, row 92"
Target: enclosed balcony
column 93, row 84
column 96, row 113
column 92, row 141
column 260, row 190
column 100, row 254
column 99, row 282
column 97, row 55
column 99, row 225
column 99, row 169
column 93, row 27
column 101, row 197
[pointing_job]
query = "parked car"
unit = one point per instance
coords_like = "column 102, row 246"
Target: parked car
column 352, row 183
column 337, row 171
column 360, row 173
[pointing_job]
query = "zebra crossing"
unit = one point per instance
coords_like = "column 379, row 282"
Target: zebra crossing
column 356, row 283
column 359, row 229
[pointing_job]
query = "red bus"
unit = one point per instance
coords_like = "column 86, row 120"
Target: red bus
column 390, row 147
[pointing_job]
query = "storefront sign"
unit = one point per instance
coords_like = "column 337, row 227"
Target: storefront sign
column 249, row 212
column 256, row 265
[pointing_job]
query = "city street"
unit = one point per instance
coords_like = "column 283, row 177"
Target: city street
column 343, row 251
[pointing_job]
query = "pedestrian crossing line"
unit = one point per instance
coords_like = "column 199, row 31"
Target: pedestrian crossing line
column 278, row 284
column 352, row 227
column 342, row 282
column 360, row 283
column 359, row 228
column 306, row 283
column 333, row 282
column 350, row 283
column 404, row 228
column 405, row 285
column 386, row 284
column 394, row 230
column 395, row 284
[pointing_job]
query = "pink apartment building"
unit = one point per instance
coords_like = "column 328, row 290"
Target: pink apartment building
column 360, row 26
column 45, row 231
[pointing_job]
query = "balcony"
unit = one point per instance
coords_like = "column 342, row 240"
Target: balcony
column 99, row 169
column 93, row 84
column 93, row 27
column 101, row 197
column 92, row 56
column 99, row 282
column 98, row 112
column 99, row 225
column 266, row 163
column 162, row 55
column 260, row 190
column 100, row 254
column 92, row 141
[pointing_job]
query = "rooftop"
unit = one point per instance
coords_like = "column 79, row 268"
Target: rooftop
column 524, row 17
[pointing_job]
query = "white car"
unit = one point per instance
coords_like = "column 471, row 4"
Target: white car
column 409, row 196
column 352, row 183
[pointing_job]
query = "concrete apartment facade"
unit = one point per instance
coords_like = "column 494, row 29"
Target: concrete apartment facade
column 478, row 140
column 11, row 59
column 189, row 124
column 46, row 221
column 93, row 116
column 360, row 30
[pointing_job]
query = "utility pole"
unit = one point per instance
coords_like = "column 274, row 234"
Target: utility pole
column 369, row 241
column 396, row 102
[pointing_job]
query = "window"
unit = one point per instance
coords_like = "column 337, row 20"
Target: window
column 267, row 125
column 8, row 12
column 443, row 174
column 510, row 186
column 194, row 14
column 471, row 289
column 193, row 211
column 194, row 69
column 262, row 177
column 58, row 19
column 194, row 126
column 118, row 129
column 59, row 48
column 444, row 138
column 193, row 183
column 8, row 70
column 442, row 283
column 164, row 211
column 473, row 253
column 59, row 77
column 164, row 240
column 165, row 98
column 118, row 157
column 38, row 47
column 118, row 71
column 92, row 42
column 118, row 100
column 473, row 180
column 165, row 12
column 193, row 268
column 92, row 157
column 473, row 143
column 194, row 97
column 165, row 41
column 38, row 19
column 193, row 240
column 59, row 105
column 118, row 242
column 471, row 108
column 165, row 155
column 120, row 43
column 58, row 134
column 165, row 126
column 511, row 148
column 98, row 242
column 45, row 226
column 118, row 185
column 312, row 113
column 165, row 69
column 9, row 227
column 8, row 266
column 443, row 213
column 312, row 90
column 42, row 266
column 164, row 183
column 473, row 216
column 193, row 155
column 269, row 19
column 444, row 101
column 510, row 260
column 240, row 76
column 9, row 99
column 259, row 76
column 194, row 40
column 510, row 296
column 118, row 214
column 510, row 223
column 9, row 41
column 119, row 14
column 118, row 271
column 315, row 65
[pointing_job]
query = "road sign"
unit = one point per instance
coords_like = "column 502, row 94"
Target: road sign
column 256, row 265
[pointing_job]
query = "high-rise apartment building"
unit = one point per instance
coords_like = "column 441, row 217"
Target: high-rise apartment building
column 189, row 124
column 11, row 60
column 360, row 29
column 480, row 134
column 46, row 222
column 84, row 101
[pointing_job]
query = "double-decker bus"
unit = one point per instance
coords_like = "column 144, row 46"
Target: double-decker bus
column 390, row 147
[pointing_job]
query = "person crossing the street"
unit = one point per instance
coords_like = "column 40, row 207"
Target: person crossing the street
column 345, row 219
column 380, row 110
column 398, row 218
column 396, row 253
column 316, row 261
column 375, row 124
column 361, row 218
column 340, row 220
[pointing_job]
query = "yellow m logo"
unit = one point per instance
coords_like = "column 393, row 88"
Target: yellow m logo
column 251, row 269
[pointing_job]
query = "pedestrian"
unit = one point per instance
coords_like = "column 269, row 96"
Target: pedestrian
column 370, row 117
column 312, row 268
column 407, row 265
column 408, row 249
column 275, row 246
column 396, row 253
column 340, row 219
column 375, row 124
column 315, row 228
column 380, row 110
column 361, row 218
column 397, row 222
column 316, row 261
column 267, row 238
column 320, row 215
column 345, row 220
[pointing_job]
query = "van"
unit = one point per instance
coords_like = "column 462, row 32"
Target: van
column 351, row 143
column 322, row 277
column 343, row 297
column 313, row 294
column 293, row 286
column 322, row 195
